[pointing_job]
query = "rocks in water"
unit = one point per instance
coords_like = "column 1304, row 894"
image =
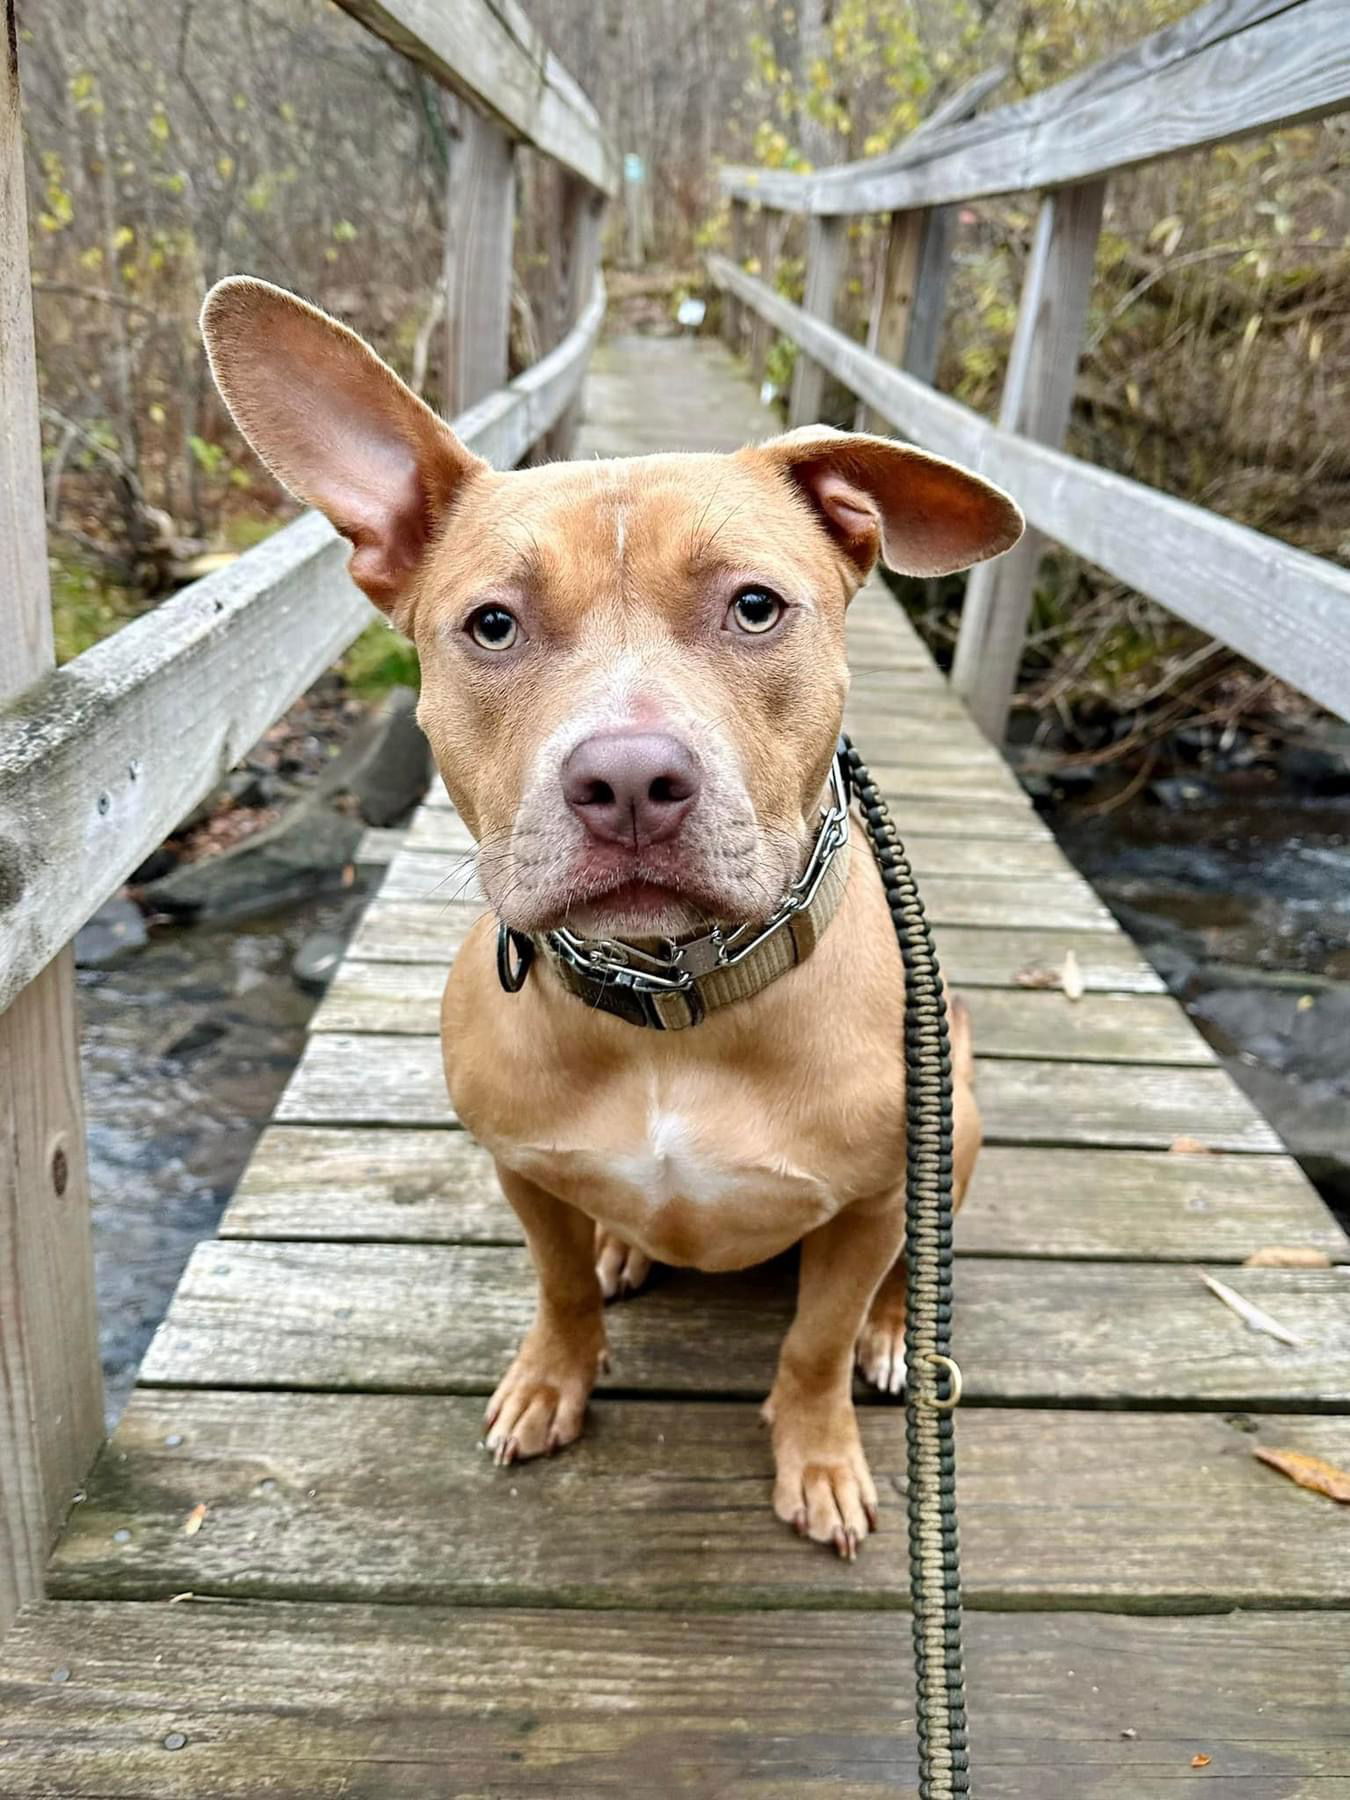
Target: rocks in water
column 198, row 1037
column 116, row 928
column 1320, row 765
column 316, row 960
column 155, row 867
column 309, row 851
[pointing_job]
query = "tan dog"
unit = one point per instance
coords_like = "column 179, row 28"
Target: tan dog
column 633, row 680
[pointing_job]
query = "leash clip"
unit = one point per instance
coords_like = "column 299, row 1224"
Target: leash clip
column 513, row 977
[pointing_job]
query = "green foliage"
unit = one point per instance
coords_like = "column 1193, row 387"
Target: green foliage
column 380, row 658
column 85, row 606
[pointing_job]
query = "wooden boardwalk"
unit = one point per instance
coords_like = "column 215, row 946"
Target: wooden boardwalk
column 347, row 1599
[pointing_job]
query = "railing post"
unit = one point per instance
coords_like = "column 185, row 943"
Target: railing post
column 825, row 241
column 480, row 225
column 733, row 316
column 1037, row 398
column 579, row 253
column 51, row 1393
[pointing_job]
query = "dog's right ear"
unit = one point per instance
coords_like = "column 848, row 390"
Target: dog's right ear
column 337, row 427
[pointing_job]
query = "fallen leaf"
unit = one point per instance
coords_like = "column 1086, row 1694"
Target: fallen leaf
column 193, row 1523
column 1071, row 977
column 1034, row 976
column 1188, row 1146
column 1287, row 1256
column 1308, row 1471
column 1246, row 1310
column 1201, row 1762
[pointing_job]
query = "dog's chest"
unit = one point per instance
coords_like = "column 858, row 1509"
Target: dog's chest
column 685, row 1189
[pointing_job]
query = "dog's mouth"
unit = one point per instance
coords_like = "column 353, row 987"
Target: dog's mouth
column 652, row 895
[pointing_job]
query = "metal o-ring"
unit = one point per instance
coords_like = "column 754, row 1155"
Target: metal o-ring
column 512, row 977
column 953, row 1369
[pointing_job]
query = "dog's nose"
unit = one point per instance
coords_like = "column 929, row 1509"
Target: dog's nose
column 630, row 787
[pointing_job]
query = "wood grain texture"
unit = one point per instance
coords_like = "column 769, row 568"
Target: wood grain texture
column 51, row 1395
column 826, row 243
column 489, row 51
column 387, row 1078
column 1224, row 71
column 1286, row 610
column 391, row 1185
column 665, row 1504
column 1037, row 398
column 563, row 1706
column 446, row 1319
column 1022, row 1022
column 99, row 763
column 480, row 221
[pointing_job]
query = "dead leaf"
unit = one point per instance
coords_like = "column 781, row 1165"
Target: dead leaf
column 1287, row 1256
column 1034, row 976
column 1071, row 977
column 193, row 1523
column 1308, row 1471
column 1252, row 1315
column 1201, row 1762
column 1189, row 1146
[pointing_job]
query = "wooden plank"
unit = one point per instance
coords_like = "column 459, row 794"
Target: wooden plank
column 405, row 998
column 665, row 1504
column 480, row 212
column 733, row 321
column 577, row 269
column 826, row 242
column 383, row 1185
column 1286, row 610
column 446, row 1319
column 1223, row 72
column 523, row 1702
column 489, row 51
column 411, row 931
column 893, row 297
column 51, row 1393
column 1037, row 399
column 99, row 763
column 772, row 231
column 1141, row 1203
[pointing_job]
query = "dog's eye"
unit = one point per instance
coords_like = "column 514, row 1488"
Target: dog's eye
column 493, row 628
column 757, row 610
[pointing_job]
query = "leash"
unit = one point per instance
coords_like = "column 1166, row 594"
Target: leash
column 932, row 1379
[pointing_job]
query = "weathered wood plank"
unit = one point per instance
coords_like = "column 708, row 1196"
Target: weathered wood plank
column 826, row 243
column 51, row 1396
column 1037, row 399
column 480, row 227
column 1120, row 1028
column 1222, row 72
column 489, row 51
column 387, row 1078
column 664, row 1504
column 523, row 1702
column 1286, row 610
column 102, row 760
column 433, row 1186
column 446, row 1319
column 412, row 931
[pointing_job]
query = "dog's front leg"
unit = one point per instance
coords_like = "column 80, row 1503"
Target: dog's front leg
column 541, row 1402
column 823, row 1486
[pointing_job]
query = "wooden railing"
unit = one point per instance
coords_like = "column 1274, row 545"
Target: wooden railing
column 100, row 759
column 1227, row 70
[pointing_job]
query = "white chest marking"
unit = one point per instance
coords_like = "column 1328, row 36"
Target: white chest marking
column 668, row 1166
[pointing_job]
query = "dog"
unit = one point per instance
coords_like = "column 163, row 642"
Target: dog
column 633, row 679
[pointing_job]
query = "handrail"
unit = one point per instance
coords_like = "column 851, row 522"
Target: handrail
column 1227, row 70
column 103, row 758
column 489, row 51
column 1281, row 607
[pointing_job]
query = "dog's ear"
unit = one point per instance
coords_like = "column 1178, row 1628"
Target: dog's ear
column 925, row 516
column 336, row 426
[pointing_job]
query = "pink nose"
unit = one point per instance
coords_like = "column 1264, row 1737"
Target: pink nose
column 630, row 787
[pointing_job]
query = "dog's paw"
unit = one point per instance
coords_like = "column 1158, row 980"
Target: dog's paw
column 620, row 1268
column 881, row 1342
column 823, row 1487
column 540, row 1404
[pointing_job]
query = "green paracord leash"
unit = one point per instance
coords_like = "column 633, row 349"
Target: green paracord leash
column 932, row 1379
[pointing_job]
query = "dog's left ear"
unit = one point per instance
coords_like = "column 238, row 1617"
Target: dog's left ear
column 922, row 514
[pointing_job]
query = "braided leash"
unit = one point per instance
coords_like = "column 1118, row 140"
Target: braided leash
column 932, row 1379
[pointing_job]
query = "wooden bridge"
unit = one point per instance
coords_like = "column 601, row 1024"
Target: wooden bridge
column 289, row 1572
